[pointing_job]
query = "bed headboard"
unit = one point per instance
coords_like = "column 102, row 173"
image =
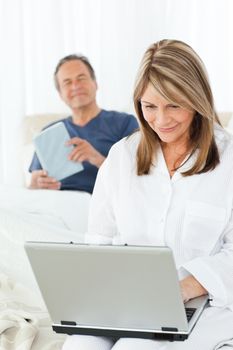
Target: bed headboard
column 33, row 124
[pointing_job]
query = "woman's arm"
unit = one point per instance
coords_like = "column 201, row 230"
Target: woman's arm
column 191, row 288
column 213, row 273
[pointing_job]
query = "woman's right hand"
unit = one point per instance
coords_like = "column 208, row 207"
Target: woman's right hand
column 191, row 288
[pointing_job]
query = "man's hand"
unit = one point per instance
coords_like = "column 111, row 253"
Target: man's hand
column 191, row 288
column 84, row 151
column 41, row 180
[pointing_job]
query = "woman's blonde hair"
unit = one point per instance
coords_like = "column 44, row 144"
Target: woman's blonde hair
column 178, row 74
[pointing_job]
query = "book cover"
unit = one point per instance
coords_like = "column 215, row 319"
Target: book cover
column 51, row 149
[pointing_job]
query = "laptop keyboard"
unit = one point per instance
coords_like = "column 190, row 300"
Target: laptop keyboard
column 189, row 312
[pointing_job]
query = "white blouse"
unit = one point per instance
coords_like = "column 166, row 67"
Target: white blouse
column 192, row 215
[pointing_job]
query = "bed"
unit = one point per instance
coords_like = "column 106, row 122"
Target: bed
column 43, row 215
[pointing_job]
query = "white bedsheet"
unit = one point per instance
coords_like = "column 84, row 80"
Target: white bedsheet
column 24, row 325
column 68, row 209
column 36, row 215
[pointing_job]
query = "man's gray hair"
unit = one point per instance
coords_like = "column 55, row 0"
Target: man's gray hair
column 74, row 57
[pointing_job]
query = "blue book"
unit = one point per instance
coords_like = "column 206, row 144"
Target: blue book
column 52, row 152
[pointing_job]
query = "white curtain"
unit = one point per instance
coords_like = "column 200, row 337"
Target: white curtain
column 35, row 34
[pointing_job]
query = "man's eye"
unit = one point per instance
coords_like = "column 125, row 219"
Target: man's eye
column 66, row 83
column 82, row 78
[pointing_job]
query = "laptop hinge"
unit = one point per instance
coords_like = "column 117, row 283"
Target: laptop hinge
column 169, row 329
column 68, row 323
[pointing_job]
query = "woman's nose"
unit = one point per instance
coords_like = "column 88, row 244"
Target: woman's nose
column 160, row 117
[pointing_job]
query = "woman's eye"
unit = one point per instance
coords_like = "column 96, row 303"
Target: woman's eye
column 149, row 107
column 174, row 106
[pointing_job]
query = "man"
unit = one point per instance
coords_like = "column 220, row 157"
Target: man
column 92, row 130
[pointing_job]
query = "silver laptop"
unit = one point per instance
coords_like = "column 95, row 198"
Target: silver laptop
column 117, row 291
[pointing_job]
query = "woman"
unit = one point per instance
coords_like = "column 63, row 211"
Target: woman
column 171, row 183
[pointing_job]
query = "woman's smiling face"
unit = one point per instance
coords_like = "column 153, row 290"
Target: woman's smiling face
column 170, row 121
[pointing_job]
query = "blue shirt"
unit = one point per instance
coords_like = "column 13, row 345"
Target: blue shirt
column 101, row 132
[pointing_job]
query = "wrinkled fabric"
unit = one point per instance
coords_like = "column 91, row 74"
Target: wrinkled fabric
column 23, row 325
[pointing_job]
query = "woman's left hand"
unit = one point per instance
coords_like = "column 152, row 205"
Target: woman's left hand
column 191, row 288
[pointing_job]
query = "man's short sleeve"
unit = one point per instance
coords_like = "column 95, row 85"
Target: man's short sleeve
column 35, row 164
column 129, row 125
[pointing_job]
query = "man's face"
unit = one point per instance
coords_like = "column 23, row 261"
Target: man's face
column 76, row 86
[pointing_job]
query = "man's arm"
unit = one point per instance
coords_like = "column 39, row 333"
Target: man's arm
column 84, row 151
column 41, row 180
column 39, row 177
